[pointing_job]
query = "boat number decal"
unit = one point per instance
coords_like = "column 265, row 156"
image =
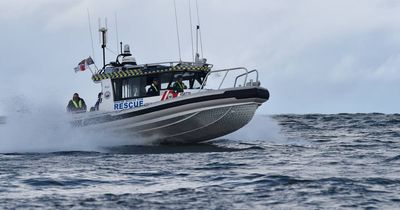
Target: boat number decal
column 129, row 104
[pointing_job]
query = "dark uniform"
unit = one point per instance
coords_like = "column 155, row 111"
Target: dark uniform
column 76, row 106
column 99, row 100
column 153, row 90
column 179, row 87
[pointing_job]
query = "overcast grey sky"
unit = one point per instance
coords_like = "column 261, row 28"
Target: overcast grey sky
column 314, row 56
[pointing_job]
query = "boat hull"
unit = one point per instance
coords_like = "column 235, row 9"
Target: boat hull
column 206, row 125
column 189, row 119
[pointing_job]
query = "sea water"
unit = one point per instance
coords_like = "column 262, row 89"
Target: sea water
column 276, row 162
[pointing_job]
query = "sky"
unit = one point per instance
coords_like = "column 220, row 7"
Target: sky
column 313, row 56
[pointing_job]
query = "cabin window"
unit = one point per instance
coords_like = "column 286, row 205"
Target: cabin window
column 129, row 88
column 192, row 80
column 137, row 87
column 197, row 80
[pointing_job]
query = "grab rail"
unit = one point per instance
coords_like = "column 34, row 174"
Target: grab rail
column 254, row 70
column 173, row 63
column 170, row 63
column 245, row 74
column 226, row 73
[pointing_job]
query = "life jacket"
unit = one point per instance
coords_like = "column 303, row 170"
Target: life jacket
column 181, row 85
column 77, row 105
column 155, row 88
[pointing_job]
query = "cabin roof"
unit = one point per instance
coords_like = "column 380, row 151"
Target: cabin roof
column 137, row 72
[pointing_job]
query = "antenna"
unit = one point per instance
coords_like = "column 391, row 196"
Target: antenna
column 197, row 40
column 91, row 34
column 177, row 32
column 198, row 28
column 103, row 35
column 191, row 29
column 116, row 29
column 99, row 29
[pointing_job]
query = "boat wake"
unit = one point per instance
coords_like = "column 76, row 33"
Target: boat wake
column 261, row 129
column 34, row 128
column 37, row 129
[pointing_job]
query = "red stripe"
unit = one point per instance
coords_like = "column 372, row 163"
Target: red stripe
column 82, row 67
column 164, row 95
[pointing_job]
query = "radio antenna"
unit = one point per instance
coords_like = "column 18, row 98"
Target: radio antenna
column 99, row 29
column 177, row 32
column 116, row 30
column 91, row 34
column 198, row 28
column 191, row 28
column 197, row 41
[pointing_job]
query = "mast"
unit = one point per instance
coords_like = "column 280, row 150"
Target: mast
column 177, row 33
column 91, row 35
column 191, row 29
column 198, row 31
column 116, row 30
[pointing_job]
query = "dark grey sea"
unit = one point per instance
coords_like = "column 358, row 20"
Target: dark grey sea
column 341, row 161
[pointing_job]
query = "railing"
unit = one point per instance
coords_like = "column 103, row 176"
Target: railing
column 174, row 63
column 245, row 74
column 170, row 63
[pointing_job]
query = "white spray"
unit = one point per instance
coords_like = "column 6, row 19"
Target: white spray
column 38, row 128
column 260, row 128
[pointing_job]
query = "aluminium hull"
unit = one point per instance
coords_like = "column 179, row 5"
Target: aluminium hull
column 188, row 119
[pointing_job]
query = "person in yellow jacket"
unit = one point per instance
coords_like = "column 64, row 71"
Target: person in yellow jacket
column 179, row 86
column 154, row 89
column 77, row 104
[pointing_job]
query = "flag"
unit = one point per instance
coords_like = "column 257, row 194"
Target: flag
column 84, row 64
column 89, row 61
column 81, row 66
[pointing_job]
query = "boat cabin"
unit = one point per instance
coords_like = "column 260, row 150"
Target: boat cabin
column 126, row 86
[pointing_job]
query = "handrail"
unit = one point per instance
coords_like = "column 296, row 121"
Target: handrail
column 254, row 70
column 171, row 64
column 223, row 79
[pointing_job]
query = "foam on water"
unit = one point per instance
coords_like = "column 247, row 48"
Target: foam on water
column 35, row 127
column 39, row 128
column 266, row 129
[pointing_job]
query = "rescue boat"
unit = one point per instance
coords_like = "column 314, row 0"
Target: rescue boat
column 199, row 113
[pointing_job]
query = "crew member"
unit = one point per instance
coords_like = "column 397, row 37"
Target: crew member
column 153, row 89
column 77, row 104
column 179, row 86
column 96, row 106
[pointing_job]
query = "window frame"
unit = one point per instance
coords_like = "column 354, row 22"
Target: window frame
column 146, row 80
column 117, row 85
